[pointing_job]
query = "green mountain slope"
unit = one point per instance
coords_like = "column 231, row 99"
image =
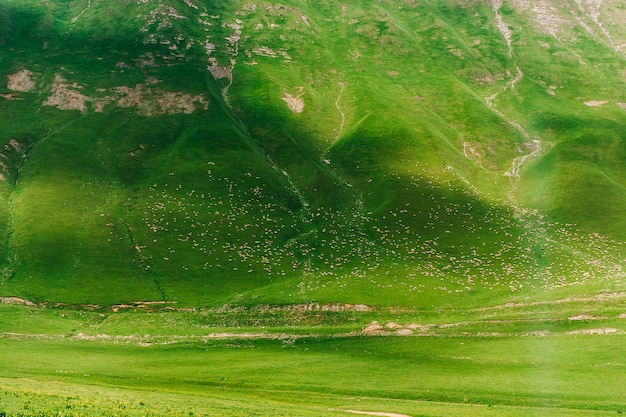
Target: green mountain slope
column 396, row 153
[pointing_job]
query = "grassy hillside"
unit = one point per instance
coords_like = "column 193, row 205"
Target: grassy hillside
column 397, row 153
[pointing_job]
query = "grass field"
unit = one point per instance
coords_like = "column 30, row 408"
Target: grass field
column 558, row 357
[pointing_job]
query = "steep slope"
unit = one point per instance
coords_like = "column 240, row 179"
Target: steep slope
column 127, row 170
column 404, row 152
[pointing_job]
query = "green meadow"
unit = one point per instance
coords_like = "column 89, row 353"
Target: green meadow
column 557, row 357
column 237, row 208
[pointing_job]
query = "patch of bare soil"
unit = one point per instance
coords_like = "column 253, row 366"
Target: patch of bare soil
column 16, row 301
column 21, row 81
column 295, row 103
column 154, row 102
column 581, row 317
column 545, row 14
column 148, row 101
column 391, row 328
column 314, row 307
column 600, row 331
column 66, row 98
column 100, row 103
column 81, row 336
column 177, row 102
column 219, row 72
column 10, row 96
column 144, row 305
column 373, row 329
column 600, row 297
column 376, row 413
column 595, row 103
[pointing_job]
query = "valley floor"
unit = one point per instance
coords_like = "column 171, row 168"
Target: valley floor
column 558, row 358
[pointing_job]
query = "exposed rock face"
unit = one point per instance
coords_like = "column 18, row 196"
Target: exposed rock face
column 12, row 156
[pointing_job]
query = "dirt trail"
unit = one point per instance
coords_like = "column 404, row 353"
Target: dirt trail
column 507, row 35
column 338, row 106
column 218, row 71
column 502, row 27
column 535, row 149
column 509, row 85
column 534, row 146
column 74, row 19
